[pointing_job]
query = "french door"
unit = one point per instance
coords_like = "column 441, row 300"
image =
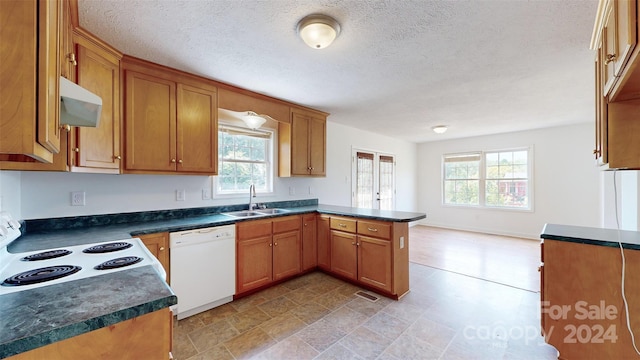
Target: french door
column 373, row 180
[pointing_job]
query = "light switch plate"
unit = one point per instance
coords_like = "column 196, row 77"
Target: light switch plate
column 181, row 195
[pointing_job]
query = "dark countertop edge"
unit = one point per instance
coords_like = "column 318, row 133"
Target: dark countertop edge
column 592, row 236
column 49, row 337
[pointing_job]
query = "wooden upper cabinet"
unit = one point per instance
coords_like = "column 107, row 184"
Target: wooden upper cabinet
column 170, row 121
column 616, row 33
column 30, row 78
column 302, row 144
column 617, row 86
column 150, row 123
column 98, row 70
column 197, row 130
column 68, row 60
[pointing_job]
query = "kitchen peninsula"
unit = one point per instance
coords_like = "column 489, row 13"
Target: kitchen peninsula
column 84, row 306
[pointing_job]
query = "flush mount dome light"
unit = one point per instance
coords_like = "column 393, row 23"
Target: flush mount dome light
column 318, row 31
column 439, row 129
column 253, row 120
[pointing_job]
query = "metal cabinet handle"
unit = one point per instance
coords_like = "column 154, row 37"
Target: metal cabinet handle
column 270, row 244
column 353, row 243
column 180, row 161
column 173, row 161
column 76, row 149
column 72, row 59
column 275, row 244
column 372, row 229
column 610, row 58
column 342, row 225
column 161, row 248
column 118, row 157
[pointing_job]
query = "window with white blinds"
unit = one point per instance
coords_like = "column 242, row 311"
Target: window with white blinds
column 244, row 158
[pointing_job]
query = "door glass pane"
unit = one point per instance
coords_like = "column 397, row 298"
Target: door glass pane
column 386, row 183
column 364, row 182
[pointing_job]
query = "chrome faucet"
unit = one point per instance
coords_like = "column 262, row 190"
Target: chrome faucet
column 252, row 194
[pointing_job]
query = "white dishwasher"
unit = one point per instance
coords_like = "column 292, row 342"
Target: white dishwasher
column 203, row 268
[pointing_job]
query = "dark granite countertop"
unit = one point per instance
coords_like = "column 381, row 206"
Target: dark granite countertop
column 41, row 316
column 592, row 236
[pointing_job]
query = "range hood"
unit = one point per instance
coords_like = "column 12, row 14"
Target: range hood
column 78, row 106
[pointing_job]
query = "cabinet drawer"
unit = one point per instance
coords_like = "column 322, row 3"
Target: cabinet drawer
column 287, row 223
column 343, row 224
column 374, row 228
column 252, row 229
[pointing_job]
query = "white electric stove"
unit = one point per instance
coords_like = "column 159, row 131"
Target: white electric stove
column 28, row 270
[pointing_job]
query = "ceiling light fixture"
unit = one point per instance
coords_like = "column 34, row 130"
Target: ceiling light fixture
column 439, row 129
column 253, row 120
column 318, row 31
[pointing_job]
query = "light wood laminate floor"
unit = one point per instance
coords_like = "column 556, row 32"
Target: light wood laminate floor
column 446, row 315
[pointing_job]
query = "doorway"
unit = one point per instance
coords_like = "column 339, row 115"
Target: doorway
column 373, row 180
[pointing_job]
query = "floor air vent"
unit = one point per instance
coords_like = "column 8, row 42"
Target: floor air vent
column 367, row 296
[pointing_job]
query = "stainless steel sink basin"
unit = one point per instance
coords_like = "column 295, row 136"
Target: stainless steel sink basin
column 255, row 213
column 244, row 214
column 272, row 211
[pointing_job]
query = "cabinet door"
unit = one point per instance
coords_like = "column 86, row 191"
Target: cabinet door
column 374, row 262
column 150, row 123
column 67, row 54
column 317, row 146
column 99, row 72
column 324, row 242
column 299, row 144
column 344, row 254
column 50, row 22
column 626, row 37
column 197, row 130
column 309, row 242
column 254, row 263
column 610, row 48
column 286, row 254
column 158, row 244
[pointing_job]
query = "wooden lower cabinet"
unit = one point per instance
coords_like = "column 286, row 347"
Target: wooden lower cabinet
column 143, row 337
column 582, row 311
column 158, row 244
column 344, row 254
column 324, row 242
column 255, row 263
column 267, row 250
column 309, row 242
column 286, row 254
column 374, row 262
column 373, row 253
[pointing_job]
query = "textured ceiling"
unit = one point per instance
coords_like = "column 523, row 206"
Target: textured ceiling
column 398, row 68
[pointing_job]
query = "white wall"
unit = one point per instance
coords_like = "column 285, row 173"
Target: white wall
column 566, row 182
column 35, row 195
column 10, row 189
column 626, row 195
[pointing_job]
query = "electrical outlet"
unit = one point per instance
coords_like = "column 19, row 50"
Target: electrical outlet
column 78, row 198
column 206, row 194
column 181, row 195
column 311, row 191
column 292, row 190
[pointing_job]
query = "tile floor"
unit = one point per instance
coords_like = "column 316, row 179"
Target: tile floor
column 445, row 316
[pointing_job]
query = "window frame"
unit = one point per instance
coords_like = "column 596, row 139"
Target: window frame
column 270, row 156
column 482, row 180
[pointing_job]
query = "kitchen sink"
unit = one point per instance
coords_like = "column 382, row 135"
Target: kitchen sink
column 272, row 211
column 244, row 214
column 255, row 213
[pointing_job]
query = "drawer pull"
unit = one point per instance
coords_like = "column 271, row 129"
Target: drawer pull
column 342, row 225
column 162, row 248
column 372, row 229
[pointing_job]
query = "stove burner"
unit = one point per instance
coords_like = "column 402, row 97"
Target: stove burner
column 118, row 263
column 105, row 248
column 46, row 255
column 40, row 275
